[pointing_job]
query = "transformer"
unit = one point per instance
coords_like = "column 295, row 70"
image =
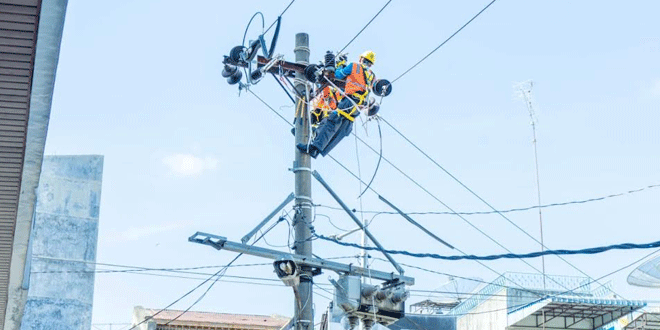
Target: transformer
column 383, row 304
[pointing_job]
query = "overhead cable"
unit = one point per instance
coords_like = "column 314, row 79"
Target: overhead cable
column 372, row 189
column 564, row 293
column 215, row 277
column 444, row 42
column 371, row 20
column 441, row 202
column 518, row 209
column 594, row 250
column 480, row 198
column 281, row 14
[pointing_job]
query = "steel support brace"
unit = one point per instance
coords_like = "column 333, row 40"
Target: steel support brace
column 405, row 216
column 221, row 243
column 249, row 235
column 357, row 221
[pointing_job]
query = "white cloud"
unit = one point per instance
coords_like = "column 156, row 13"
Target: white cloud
column 189, row 165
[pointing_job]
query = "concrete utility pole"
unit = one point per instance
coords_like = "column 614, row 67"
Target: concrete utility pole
column 302, row 168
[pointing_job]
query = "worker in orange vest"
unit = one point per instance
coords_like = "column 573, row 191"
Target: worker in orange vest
column 324, row 104
column 339, row 123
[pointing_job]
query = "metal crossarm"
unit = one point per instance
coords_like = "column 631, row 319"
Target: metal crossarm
column 221, row 243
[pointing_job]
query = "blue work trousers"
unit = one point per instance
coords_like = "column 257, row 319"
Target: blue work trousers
column 333, row 129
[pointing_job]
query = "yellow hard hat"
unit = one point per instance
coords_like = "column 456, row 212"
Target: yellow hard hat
column 369, row 55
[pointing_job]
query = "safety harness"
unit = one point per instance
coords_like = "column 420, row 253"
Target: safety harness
column 358, row 97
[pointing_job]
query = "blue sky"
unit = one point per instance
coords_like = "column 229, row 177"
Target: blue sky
column 139, row 82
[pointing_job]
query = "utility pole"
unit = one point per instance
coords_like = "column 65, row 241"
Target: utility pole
column 302, row 168
column 297, row 270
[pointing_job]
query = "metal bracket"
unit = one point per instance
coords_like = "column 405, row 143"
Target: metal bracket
column 221, row 243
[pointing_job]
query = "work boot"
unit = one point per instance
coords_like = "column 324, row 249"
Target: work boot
column 310, row 150
column 303, row 147
column 313, row 151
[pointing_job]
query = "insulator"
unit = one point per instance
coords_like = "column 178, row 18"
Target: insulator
column 235, row 53
column 382, row 87
column 368, row 290
column 228, row 70
column 373, row 108
column 329, row 61
column 353, row 322
column 310, row 73
column 381, row 295
column 367, row 324
column 256, row 75
column 400, row 296
column 235, row 77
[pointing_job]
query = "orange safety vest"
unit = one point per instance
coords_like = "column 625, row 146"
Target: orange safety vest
column 358, row 81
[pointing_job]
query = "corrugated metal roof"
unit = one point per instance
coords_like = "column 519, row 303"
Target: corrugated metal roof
column 645, row 321
column 18, row 34
column 585, row 301
column 571, row 313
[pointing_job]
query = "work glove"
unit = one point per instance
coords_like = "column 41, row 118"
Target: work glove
column 341, row 61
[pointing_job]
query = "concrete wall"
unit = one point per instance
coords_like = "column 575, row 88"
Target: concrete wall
column 63, row 244
column 491, row 314
column 49, row 37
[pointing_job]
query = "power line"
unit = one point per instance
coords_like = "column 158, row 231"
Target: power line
column 437, row 199
column 443, row 204
column 480, row 198
column 511, row 210
column 372, row 189
column 215, row 275
column 278, row 284
column 563, row 293
column 587, row 251
column 409, row 178
column 371, row 20
column 461, row 277
column 421, row 187
column 282, row 14
column 444, row 42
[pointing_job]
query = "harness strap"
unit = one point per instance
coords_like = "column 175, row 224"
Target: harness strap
column 346, row 115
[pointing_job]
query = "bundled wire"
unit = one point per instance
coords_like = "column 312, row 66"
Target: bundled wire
column 594, row 250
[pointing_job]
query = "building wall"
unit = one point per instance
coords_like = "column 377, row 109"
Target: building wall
column 49, row 36
column 491, row 314
column 63, row 244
